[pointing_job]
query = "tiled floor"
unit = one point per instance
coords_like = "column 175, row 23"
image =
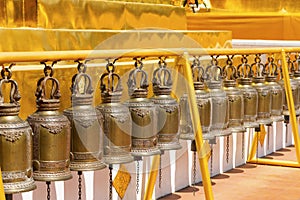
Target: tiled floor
column 251, row 181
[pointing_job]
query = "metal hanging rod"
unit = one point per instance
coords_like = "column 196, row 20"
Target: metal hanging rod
column 38, row 56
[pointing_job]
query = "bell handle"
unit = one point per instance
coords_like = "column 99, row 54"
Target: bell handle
column 41, row 89
column 14, row 91
column 88, row 88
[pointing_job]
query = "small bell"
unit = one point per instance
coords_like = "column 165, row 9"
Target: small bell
column 86, row 125
column 117, row 121
column 143, row 114
column 263, row 91
column 51, row 133
column 250, row 94
column 235, row 98
column 204, row 106
column 167, row 108
column 16, row 141
column 219, row 100
column 276, row 90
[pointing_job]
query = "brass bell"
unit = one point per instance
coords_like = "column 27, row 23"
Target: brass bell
column 235, row 98
column 16, row 141
column 276, row 90
column 203, row 103
column 297, row 77
column 117, row 121
column 167, row 108
column 51, row 132
column 250, row 95
column 263, row 91
column 86, row 125
column 143, row 113
column 294, row 88
column 219, row 100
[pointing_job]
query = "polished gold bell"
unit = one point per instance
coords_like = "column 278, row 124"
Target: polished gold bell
column 250, row 95
column 235, row 99
column 116, row 119
column 16, row 141
column 203, row 103
column 86, row 125
column 276, row 90
column 51, row 132
column 143, row 114
column 167, row 108
column 219, row 100
column 264, row 93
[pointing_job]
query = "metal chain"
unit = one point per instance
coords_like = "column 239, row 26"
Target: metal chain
column 243, row 147
column 137, row 176
column 48, row 189
column 159, row 173
column 227, row 149
column 110, row 182
column 79, row 184
column 211, row 158
column 194, row 171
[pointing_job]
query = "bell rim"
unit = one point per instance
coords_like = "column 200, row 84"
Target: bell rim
column 31, row 186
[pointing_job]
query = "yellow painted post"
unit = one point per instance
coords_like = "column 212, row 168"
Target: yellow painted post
column 152, row 178
column 252, row 153
column 290, row 101
column 198, row 131
column 2, row 194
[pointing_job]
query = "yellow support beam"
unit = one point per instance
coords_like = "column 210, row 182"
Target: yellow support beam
column 2, row 194
column 198, row 131
column 152, row 178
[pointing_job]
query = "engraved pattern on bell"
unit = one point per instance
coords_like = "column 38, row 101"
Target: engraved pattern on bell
column 276, row 99
column 15, row 140
column 86, row 124
column 167, row 108
column 116, row 119
column 51, row 132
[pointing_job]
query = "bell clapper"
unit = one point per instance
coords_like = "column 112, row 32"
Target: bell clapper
column 257, row 130
column 48, row 189
column 211, row 142
column 110, row 181
column 79, row 184
column 8, row 196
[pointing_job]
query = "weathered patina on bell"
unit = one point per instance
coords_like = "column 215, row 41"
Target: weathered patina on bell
column 167, row 108
column 276, row 90
column 250, row 95
column 294, row 87
column 219, row 100
column 86, row 125
column 143, row 113
column 204, row 106
column 16, row 140
column 117, row 120
column 235, row 98
column 51, row 132
column 264, row 93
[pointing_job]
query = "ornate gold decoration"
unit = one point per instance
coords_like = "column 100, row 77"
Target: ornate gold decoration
column 122, row 181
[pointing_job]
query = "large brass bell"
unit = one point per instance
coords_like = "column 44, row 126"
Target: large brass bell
column 143, row 113
column 250, row 95
column 117, row 120
column 219, row 100
column 167, row 108
column 297, row 76
column 276, row 90
column 203, row 102
column 235, row 98
column 294, row 88
column 86, row 125
column 16, row 141
column 263, row 91
column 51, row 132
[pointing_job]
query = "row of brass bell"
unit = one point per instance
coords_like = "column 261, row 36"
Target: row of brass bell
column 56, row 143
column 231, row 98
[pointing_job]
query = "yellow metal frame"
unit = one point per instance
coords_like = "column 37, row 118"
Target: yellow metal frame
column 9, row 57
column 252, row 155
